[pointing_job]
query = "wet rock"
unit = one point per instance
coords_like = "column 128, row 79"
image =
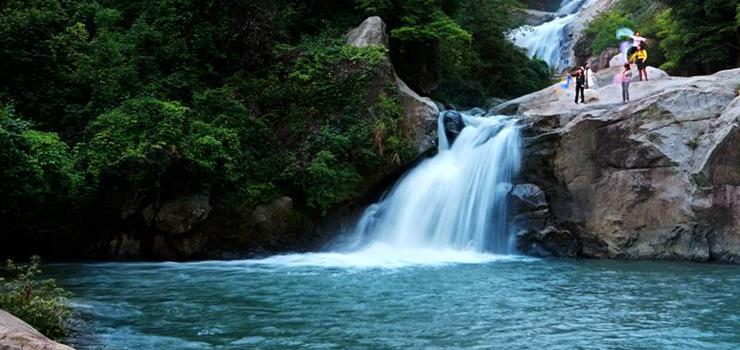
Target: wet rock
column 18, row 335
column 273, row 218
column 493, row 102
column 179, row 215
column 125, row 247
column 525, row 197
column 534, row 17
column 548, row 242
column 574, row 31
column 477, row 111
column 453, row 124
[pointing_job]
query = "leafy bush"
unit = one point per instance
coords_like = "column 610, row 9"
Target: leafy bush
column 330, row 181
column 700, row 36
column 457, row 51
column 693, row 36
column 40, row 303
column 603, row 28
column 37, row 166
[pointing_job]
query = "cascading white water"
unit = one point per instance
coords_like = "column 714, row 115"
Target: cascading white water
column 451, row 208
column 547, row 40
column 456, row 200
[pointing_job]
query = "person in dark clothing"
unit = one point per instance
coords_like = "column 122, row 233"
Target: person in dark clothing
column 580, row 85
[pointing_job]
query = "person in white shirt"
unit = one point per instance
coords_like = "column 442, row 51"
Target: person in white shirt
column 637, row 41
column 590, row 83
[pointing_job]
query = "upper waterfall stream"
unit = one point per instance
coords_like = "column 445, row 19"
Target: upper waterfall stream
column 547, row 41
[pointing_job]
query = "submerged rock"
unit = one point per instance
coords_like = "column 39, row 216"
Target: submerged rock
column 658, row 177
column 18, row 335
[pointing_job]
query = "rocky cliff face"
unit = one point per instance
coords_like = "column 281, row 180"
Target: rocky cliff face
column 657, row 178
column 573, row 45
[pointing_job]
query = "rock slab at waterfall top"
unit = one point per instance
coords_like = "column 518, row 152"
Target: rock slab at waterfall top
column 658, row 177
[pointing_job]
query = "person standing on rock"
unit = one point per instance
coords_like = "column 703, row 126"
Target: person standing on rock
column 640, row 58
column 626, row 78
column 580, row 85
column 590, row 84
column 637, row 41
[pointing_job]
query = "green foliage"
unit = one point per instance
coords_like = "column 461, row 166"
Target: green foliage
column 670, row 43
column 145, row 141
column 110, row 106
column 330, row 181
column 325, row 93
column 40, row 303
column 457, row 50
column 37, row 166
column 693, row 36
column 134, row 131
column 494, row 66
column 603, row 27
column 700, row 36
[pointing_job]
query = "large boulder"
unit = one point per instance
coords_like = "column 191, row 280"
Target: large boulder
column 421, row 112
column 18, row 335
column 371, row 31
column 534, row 17
column 656, row 178
column 421, row 117
column 179, row 215
column 602, row 60
column 618, row 60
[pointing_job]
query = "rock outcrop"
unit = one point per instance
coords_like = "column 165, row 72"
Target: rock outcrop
column 372, row 31
column 534, row 17
column 18, row 335
column 421, row 112
column 657, row 178
column 602, row 61
column 178, row 215
column 574, row 30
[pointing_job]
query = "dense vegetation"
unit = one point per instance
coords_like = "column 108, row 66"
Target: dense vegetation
column 106, row 105
column 688, row 36
column 38, row 302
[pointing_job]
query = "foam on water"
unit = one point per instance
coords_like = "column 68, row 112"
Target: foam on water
column 450, row 209
column 382, row 255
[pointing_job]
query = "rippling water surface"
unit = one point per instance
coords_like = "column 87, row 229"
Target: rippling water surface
column 427, row 300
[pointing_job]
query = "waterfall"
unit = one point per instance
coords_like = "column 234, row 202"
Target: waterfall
column 548, row 41
column 456, row 200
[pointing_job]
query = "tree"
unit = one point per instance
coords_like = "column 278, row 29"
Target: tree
column 700, row 36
